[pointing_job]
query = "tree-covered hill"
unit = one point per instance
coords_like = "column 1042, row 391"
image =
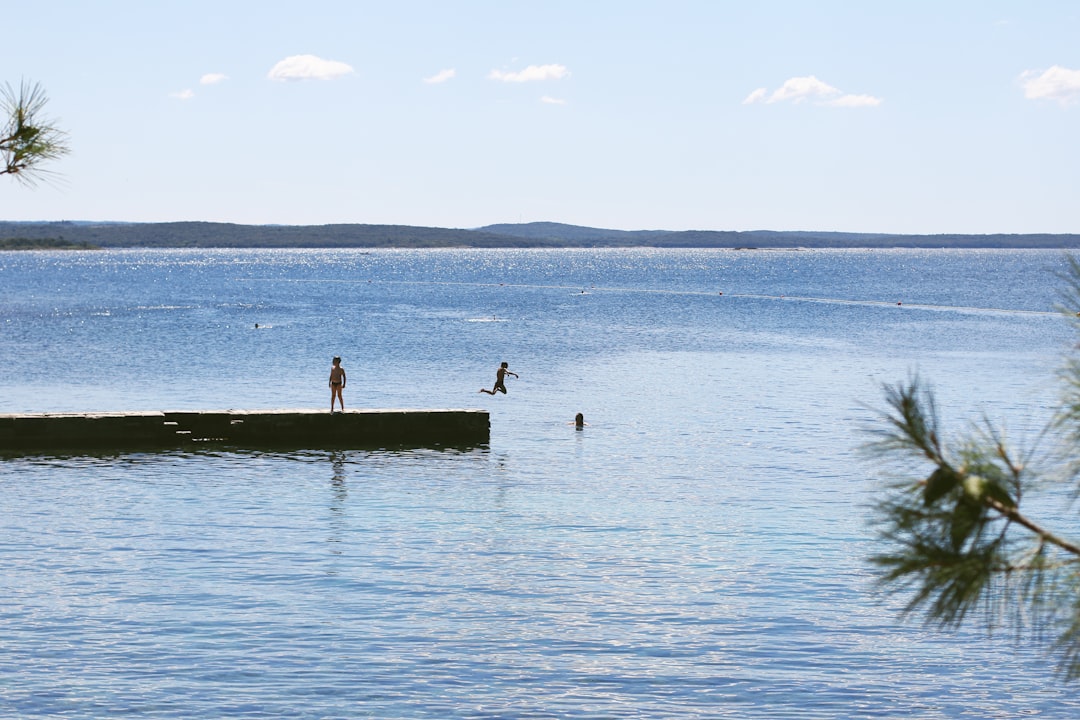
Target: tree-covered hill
column 573, row 235
column 226, row 235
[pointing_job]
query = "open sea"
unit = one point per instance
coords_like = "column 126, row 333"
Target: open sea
column 698, row 550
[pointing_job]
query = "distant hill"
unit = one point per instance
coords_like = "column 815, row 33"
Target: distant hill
column 226, row 235
column 537, row 235
column 574, row 235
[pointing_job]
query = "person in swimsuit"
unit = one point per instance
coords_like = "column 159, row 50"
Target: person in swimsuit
column 337, row 384
column 500, row 380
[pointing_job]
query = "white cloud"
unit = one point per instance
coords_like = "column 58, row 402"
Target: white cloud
column 552, row 101
column 855, row 101
column 183, row 94
column 531, row 73
column 212, row 78
column 756, row 96
column 440, row 77
column 801, row 89
column 798, row 89
column 308, row 67
column 1057, row 83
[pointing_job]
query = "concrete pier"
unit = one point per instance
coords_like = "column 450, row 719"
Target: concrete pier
column 243, row 428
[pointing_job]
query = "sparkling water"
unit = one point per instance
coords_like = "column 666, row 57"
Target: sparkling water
column 698, row 549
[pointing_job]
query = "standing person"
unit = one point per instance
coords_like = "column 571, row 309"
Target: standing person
column 500, row 379
column 337, row 383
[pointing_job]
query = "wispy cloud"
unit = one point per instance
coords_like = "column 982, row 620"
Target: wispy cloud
column 212, row 78
column 547, row 99
column 440, row 77
column 855, row 101
column 182, row 94
column 801, row 89
column 308, row 67
column 756, row 96
column 1057, row 83
column 798, row 89
column 531, row 74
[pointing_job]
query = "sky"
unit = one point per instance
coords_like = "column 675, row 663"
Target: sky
column 923, row 116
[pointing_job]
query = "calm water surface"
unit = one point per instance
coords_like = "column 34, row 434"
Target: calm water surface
column 699, row 550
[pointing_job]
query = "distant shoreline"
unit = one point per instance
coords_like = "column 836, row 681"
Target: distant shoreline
column 93, row 235
column 16, row 244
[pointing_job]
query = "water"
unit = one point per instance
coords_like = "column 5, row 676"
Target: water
column 699, row 550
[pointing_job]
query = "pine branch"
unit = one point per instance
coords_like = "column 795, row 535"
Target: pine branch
column 1013, row 515
column 29, row 139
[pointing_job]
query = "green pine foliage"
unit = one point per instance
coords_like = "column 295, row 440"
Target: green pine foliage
column 954, row 533
column 27, row 137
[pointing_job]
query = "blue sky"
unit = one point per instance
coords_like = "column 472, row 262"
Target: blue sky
column 912, row 117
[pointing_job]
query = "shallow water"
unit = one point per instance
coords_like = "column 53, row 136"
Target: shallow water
column 698, row 550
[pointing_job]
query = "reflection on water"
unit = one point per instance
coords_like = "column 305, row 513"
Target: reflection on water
column 339, row 493
column 337, row 461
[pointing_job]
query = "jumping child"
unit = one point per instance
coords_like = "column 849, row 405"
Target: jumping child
column 500, row 380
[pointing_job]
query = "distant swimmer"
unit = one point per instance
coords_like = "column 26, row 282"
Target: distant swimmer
column 500, row 380
column 337, row 384
column 579, row 421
